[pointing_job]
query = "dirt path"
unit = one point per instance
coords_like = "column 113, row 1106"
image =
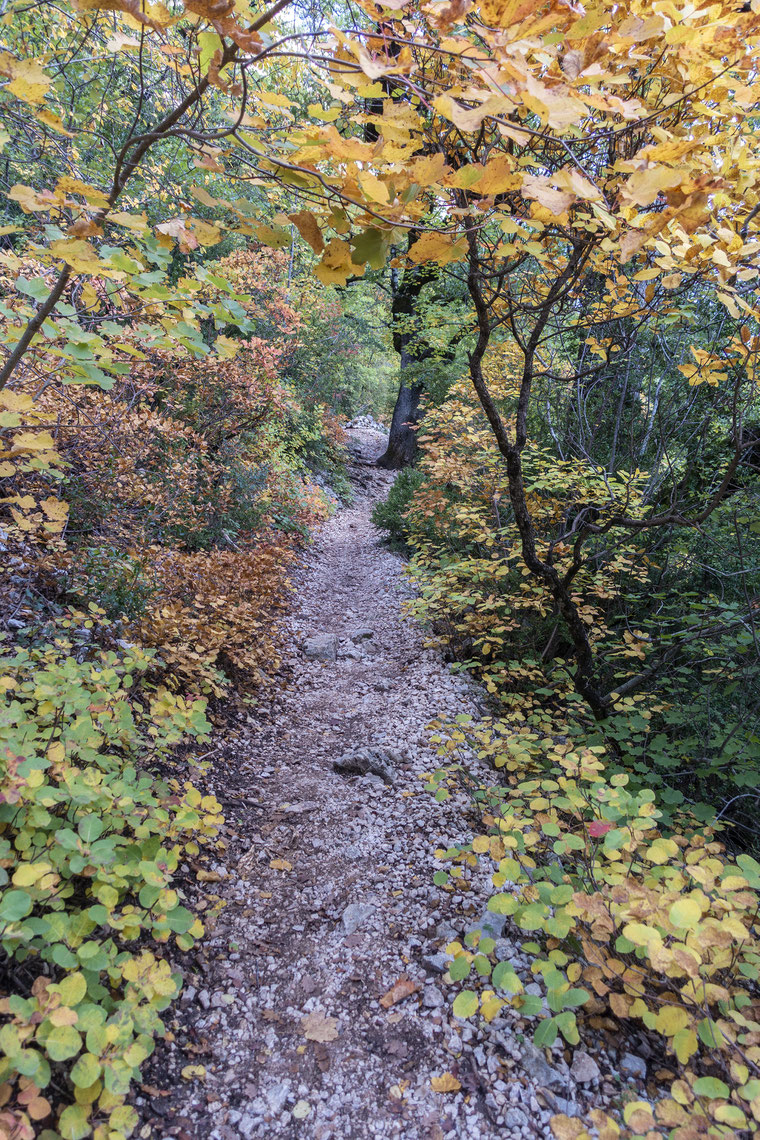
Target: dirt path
column 330, row 898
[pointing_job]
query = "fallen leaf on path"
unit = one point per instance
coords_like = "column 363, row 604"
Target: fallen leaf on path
column 566, row 1127
column 403, row 988
column 208, row 876
column 280, row 865
column 447, row 1082
column 151, row 1090
column 194, row 1072
column 317, row 1027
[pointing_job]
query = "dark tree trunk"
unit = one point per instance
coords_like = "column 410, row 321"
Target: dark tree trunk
column 402, row 438
column 411, row 344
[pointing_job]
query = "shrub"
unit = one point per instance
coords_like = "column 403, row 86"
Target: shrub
column 622, row 919
column 391, row 514
column 89, row 843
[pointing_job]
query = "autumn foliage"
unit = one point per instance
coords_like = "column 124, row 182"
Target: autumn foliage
column 586, row 182
column 148, row 532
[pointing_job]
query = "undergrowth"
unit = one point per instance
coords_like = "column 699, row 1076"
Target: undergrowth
column 90, row 841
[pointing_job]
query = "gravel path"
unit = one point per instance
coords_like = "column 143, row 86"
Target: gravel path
column 330, row 900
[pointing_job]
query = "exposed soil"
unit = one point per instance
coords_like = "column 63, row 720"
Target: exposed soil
column 329, row 896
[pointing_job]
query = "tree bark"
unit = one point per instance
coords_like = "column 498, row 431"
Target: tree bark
column 410, row 343
column 402, row 438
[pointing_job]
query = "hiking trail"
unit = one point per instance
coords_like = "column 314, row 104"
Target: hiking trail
column 330, row 901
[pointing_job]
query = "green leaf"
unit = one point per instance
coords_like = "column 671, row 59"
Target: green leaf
column 465, row 1004
column 502, row 904
column 709, row 1034
column 72, row 989
column 711, row 1087
column 62, row 1042
column 74, row 1123
column 505, row 978
column 530, row 1005
column 575, row 998
column 568, row 1027
column 36, row 288
column 86, row 1071
column 15, row 905
column 459, row 968
column 180, row 919
column 482, row 965
column 90, row 828
column 546, row 1033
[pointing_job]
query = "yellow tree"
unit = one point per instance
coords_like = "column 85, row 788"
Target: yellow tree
column 579, row 169
column 582, row 169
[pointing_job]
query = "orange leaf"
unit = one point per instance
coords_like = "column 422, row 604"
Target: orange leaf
column 403, row 988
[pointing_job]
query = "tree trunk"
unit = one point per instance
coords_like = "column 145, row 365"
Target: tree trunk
column 411, row 344
column 402, row 438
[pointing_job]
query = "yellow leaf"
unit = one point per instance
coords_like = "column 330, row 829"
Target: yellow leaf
column 28, row 873
column 445, row 1083
column 194, row 1072
column 336, row 265
column 308, row 228
column 16, row 401
column 33, row 441
column 28, row 80
column 280, row 865
column 643, row 187
column 374, row 189
column 661, row 851
column 274, row 99
column 78, row 253
column 50, row 119
column 671, row 1019
column 638, row 1115
column 685, row 1044
column 546, row 194
column 206, row 233
column 442, row 248
column 685, row 913
column 55, row 509
column 567, row 1127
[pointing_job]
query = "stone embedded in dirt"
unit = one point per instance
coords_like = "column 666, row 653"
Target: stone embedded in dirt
column 432, row 998
column 436, row 963
column 321, row 647
column 540, row 1070
column 364, row 761
column 361, row 634
column 490, row 924
column 355, row 915
column 633, row 1066
column 276, row 1096
column 584, row 1068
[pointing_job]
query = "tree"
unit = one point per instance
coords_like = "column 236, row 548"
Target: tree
column 538, row 153
column 546, row 152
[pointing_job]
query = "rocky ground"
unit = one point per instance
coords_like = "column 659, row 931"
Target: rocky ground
column 316, row 1007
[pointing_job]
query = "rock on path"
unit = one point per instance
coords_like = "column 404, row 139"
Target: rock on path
column 329, row 895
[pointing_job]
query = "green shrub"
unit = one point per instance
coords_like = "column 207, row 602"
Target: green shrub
column 621, row 917
column 113, row 580
column 89, row 843
column 390, row 515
